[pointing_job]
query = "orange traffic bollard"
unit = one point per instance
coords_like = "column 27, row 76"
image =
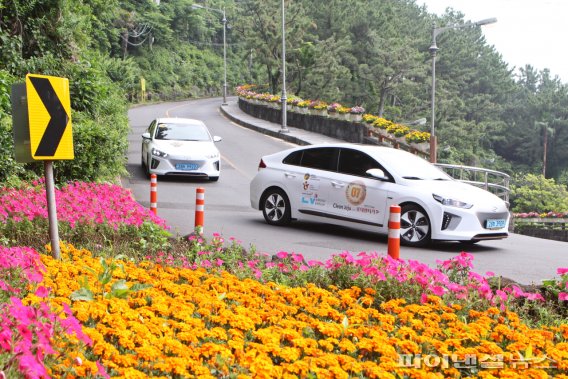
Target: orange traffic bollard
column 154, row 193
column 199, row 209
column 394, row 232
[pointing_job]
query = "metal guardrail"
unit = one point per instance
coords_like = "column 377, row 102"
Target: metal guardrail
column 490, row 180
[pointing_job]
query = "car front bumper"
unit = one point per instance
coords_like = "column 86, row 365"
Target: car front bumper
column 198, row 167
column 455, row 224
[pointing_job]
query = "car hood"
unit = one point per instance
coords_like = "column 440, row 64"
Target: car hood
column 186, row 148
column 459, row 191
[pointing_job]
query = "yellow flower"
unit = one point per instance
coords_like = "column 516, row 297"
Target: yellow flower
column 182, row 327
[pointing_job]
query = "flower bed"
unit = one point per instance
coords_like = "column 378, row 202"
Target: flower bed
column 245, row 91
column 400, row 134
column 211, row 309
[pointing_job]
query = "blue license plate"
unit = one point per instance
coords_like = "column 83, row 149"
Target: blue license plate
column 186, row 166
column 495, row 224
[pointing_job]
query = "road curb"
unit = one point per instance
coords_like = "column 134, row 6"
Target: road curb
column 283, row 136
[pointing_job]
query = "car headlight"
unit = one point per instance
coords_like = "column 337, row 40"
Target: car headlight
column 159, row 153
column 451, row 202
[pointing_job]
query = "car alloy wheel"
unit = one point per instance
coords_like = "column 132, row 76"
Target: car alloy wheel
column 276, row 207
column 414, row 226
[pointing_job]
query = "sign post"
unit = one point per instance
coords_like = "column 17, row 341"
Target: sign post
column 51, row 209
column 42, row 131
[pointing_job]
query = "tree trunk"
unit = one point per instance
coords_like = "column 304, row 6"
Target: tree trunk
column 124, row 43
column 382, row 100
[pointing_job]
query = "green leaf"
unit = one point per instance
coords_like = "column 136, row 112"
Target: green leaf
column 345, row 322
column 139, row 287
column 119, row 293
column 119, row 285
column 82, row 294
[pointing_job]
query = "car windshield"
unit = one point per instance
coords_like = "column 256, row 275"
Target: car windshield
column 414, row 168
column 182, row 132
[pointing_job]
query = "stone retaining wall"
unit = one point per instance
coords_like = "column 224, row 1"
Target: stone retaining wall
column 549, row 234
column 348, row 131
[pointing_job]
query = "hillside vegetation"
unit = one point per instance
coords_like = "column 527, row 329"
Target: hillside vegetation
column 369, row 53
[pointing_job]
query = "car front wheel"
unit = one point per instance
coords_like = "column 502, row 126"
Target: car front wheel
column 276, row 207
column 415, row 227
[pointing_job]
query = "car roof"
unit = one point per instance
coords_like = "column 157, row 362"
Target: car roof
column 370, row 149
column 179, row 120
column 385, row 153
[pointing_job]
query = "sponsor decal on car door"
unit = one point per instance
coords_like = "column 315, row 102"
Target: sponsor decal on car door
column 359, row 200
column 312, row 193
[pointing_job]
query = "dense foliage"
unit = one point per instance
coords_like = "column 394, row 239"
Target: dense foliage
column 373, row 54
column 535, row 193
column 191, row 307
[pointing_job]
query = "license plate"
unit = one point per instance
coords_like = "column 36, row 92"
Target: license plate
column 186, row 166
column 495, row 224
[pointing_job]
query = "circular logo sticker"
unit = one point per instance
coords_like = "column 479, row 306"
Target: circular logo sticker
column 356, row 193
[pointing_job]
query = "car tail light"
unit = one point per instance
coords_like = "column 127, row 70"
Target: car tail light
column 261, row 164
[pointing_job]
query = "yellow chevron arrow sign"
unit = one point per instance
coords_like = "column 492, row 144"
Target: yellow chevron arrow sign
column 49, row 113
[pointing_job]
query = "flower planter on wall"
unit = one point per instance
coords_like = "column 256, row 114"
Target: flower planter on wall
column 340, row 129
column 423, row 146
column 355, row 117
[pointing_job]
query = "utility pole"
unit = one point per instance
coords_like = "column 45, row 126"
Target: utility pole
column 545, row 143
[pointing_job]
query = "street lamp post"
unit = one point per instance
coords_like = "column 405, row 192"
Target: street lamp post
column 433, row 49
column 224, row 21
column 284, row 127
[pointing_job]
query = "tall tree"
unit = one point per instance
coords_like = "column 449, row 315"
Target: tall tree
column 260, row 24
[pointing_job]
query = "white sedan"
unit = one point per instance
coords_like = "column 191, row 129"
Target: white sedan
column 355, row 185
column 180, row 146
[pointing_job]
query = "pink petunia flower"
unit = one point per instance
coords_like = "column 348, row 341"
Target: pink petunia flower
column 282, row 255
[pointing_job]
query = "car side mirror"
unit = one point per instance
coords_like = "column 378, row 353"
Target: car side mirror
column 217, row 139
column 377, row 173
column 146, row 135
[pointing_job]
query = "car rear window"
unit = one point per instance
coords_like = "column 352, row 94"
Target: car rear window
column 294, row 159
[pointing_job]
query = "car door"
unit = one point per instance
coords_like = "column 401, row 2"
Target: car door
column 309, row 180
column 146, row 143
column 356, row 196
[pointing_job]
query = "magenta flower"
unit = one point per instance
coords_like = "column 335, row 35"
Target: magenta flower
column 563, row 296
column 282, row 255
column 297, row 258
column 437, row 290
column 42, row 291
column 102, row 371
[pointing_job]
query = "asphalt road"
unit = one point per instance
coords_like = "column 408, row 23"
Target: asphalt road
column 228, row 212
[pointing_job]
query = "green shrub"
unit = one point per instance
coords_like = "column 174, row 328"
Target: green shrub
column 535, row 193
